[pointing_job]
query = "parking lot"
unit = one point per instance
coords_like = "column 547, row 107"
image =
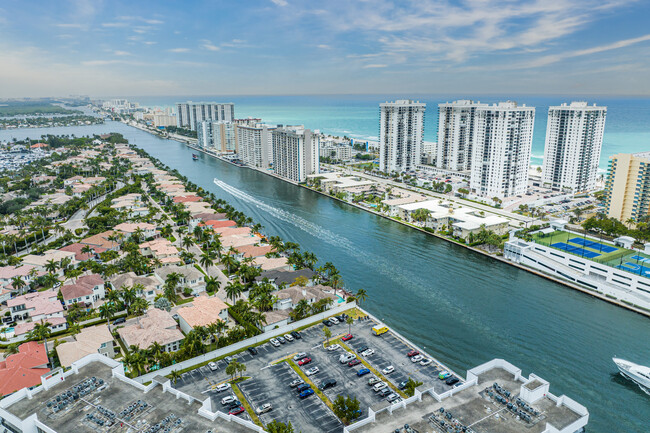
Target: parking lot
column 269, row 382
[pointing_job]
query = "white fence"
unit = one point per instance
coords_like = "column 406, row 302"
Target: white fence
column 246, row 343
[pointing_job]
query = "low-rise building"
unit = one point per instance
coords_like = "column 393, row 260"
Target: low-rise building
column 289, row 297
column 273, row 263
column 23, row 369
column 253, row 251
column 35, row 306
column 56, row 256
column 107, row 240
column 281, row 278
column 190, row 277
column 203, row 311
column 8, row 273
column 161, row 249
column 128, row 229
column 157, row 326
column 94, row 339
column 56, row 324
column 87, row 290
column 150, row 285
column 80, row 256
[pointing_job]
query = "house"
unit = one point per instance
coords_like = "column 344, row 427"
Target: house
column 157, row 326
column 103, row 241
column 279, row 278
column 190, row 277
column 202, row 312
column 253, row 251
column 162, row 250
column 217, row 224
column 232, row 231
column 8, row 273
column 289, row 297
column 79, row 256
column 128, row 229
column 41, row 261
column 186, row 198
column 35, row 306
column 23, row 369
column 273, row 263
column 56, row 324
column 87, row 290
column 206, row 216
column 131, row 204
column 237, row 241
column 94, row 339
column 151, row 286
column 79, row 189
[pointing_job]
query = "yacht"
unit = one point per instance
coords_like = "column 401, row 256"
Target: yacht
column 637, row 373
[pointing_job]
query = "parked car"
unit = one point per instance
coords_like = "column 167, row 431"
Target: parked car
column 282, row 340
column 443, row 375
column 347, row 337
column 296, row 382
column 417, row 358
column 362, row 349
column 392, row 397
column 334, row 320
column 412, row 353
column 425, row 361
column 288, row 337
column 222, row 387
column 304, row 361
column 368, row 352
column 453, row 380
column 303, row 386
column 274, row 342
column 346, row 357
column 388, row 370
column 363, row 372
column 213, row 366
column 327, row 383
column 385, row 392
column 119, row 321
column 299, row 356
column 237, row 410
column 402, row 384
column 312, row 371
column 228, row 400
column 373, row 380
column 252, row 351
column 296, row 335
column 334, row 347
column 306, row 393
column 264, row 408
column 327, row 323
column 354, row 362
column 379, row 386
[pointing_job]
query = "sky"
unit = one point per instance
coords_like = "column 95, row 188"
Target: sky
column 267, row 47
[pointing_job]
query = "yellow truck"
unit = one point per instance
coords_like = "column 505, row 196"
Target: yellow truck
column 379, row 329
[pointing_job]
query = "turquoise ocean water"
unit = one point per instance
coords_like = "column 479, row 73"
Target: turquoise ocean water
column 627, row 128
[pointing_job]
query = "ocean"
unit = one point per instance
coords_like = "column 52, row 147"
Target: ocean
column 627, row 128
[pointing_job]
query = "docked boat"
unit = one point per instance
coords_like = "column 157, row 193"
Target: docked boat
column 195, row 156
column 638, row 374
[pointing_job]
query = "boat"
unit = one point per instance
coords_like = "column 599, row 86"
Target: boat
column 195, row 156
column 638, row 374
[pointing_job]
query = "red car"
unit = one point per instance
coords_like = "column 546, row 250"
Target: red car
column 347, row 337
column 412, row 353
column 304, row 361
column 237, row 410
column 354, row 362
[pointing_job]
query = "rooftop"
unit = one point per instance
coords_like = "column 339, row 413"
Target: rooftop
column 203, row 311
column 156, row 326
column 23, row 369
column 87, row 342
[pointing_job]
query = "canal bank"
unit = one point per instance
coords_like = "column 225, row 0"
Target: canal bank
column 461, row 307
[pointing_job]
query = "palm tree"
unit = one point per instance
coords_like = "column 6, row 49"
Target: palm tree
column 206, row 260
column 40, row 332
column 155, row 350
column 233, row 289
column 175, row 375
column 51, row 266
column 349, row 320
column 18, row 283
column 139, row 306
column 187, row 242
column 328, row 334
column 212, row 284
column 361, row 296
column 106, row 311
column 75, row 328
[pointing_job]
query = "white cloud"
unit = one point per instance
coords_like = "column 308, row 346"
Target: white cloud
column 280, row 2
column 324, row 47
column 375, row 65
column 70, row 26
column 209, row 45
column 115, row 25
column 121, row 53
column 179, row 50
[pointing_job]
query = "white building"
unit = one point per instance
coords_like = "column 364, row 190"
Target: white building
column 336, row 152
column 255, row 144
column 574, row 138
column 190, row 114
column 219, row 136
column 295, row 152
column 456, row 124
column 401, row 131
column 503, row 138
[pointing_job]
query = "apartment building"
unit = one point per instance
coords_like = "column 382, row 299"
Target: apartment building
column 295, row 152
column 255, row 144
column 337, row 152
column 401, row 131
column 190, row 114
column 218, row 136
column 574, row 138
column 627, row 188
column 456, row 125
column 502, row 143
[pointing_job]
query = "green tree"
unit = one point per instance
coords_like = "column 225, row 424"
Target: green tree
column 328, row 334
column 349, row 321
column 346, row 408
column 276, row 426
column 410, row 387
column 361, row 296
column 175, row 375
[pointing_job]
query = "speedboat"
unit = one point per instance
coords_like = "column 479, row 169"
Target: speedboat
column 638, row 374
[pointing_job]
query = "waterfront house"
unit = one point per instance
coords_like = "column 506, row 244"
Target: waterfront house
column 280, row 278
column 273, row 263
column 253, row 251
column 289, row 297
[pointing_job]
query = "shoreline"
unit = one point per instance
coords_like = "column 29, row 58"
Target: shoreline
column 549, row 277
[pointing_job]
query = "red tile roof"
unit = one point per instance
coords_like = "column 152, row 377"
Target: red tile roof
column 218, row 224
column 76, row 248
column 23, row 369
column 186, row 199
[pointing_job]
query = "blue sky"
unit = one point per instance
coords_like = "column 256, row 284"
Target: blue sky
column 132, row 47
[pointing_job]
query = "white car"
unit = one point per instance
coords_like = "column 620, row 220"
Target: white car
column 334, row 320
column 222, row 387
column 227, row 400
column 346, row 357
column 417, row 358
column 392, row 397
column 379, row 386
column 288, row 337
column 425, row 361
column 274, row 342
column 312, row 371
column 334, row 347
column 213, row 366
column 368, row 352
column 264, row 408
column 299, row 356
column 388, row 370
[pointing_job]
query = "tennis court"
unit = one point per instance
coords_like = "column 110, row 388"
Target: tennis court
column 575, row 250
column 634, row 268
column 640, row 259
column 593, row 245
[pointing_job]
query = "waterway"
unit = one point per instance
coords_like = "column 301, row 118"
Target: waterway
column 462, row 307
